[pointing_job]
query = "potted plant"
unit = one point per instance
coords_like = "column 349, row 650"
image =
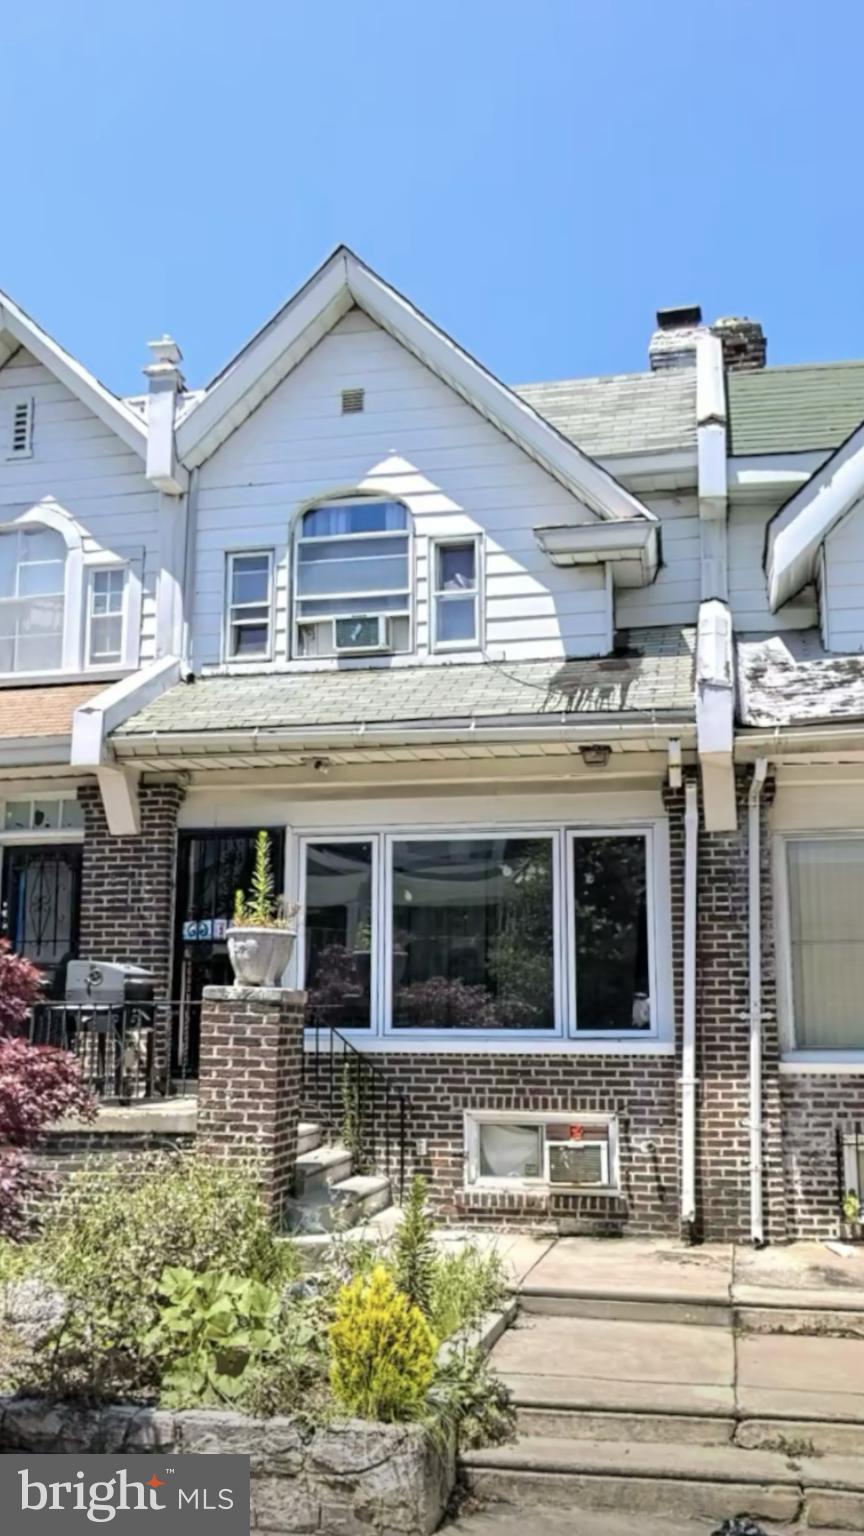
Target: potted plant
column 263, row 930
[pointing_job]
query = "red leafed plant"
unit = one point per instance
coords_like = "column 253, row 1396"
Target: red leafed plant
column 38, row 1084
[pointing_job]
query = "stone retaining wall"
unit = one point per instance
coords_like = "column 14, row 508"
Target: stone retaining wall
column 347, row 1479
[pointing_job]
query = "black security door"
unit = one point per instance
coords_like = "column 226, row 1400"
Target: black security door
column 39, row 906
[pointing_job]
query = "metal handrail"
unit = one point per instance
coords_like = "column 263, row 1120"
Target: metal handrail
column 354, row 1098
column 125, row 1051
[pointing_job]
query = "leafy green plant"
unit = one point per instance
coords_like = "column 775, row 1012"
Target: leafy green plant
column 465, row 1284
column 262, row 908
column 382, row 1351
column 469, row 1401
column 851, row 1206
column 105, row 1245
column 352, row 1129
column 293, row 1380
column 414, row 1252
column 211, row 1329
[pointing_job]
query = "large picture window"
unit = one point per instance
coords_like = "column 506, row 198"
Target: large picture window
column 353, row 578
column 473, row 934
column 826, row 942
column 496, row 934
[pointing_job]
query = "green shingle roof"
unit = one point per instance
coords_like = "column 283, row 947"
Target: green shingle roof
column 625, row 413
column 654, row 676
column 807, row 407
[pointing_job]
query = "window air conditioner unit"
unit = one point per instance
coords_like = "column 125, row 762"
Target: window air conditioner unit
column 362, row 633
column 578, row 1162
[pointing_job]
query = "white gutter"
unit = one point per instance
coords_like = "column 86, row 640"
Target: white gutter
column 688, row 1042
column 754, row 848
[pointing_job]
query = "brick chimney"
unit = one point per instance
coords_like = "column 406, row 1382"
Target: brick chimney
column 743, row 342
column 673, row 344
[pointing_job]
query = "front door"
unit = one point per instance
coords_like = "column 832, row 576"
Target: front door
column 39, row 906
column 211, row 867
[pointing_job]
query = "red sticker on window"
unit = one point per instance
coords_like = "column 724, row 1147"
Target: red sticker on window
column 575, row 1132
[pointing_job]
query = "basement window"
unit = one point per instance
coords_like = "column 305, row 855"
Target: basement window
column 569, row 1151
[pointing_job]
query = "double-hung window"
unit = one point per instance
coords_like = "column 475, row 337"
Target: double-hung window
column 825, row 880
column 352, row 578
column 249, row 617
column 105, row 616
column 500, row 933
column 455, row 593
column 32, row 599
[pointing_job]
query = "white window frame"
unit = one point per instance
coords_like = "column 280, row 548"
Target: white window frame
column 13, row 454
column 229, row 607
column 436, row 595
column 381, row 1035
column 315, row 839
column 473, row 1119
column 793, row 1057
column 100, row 663
column 409, row 611
column 33, row 834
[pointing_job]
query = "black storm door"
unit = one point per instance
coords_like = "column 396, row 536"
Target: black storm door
column 40, row 904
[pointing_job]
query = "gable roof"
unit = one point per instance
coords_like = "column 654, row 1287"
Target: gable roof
column 341, row 283
column 799, row 409
column 800, row 527
column 18, row 330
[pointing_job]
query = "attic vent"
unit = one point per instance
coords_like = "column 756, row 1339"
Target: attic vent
column 21, row 443
column 353, row 401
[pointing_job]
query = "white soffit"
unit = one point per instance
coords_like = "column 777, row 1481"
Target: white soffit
column 18, row 330
column 630, row 548
column 798, row 530
column 342, row 282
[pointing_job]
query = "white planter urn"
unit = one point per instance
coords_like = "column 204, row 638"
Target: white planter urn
column 259, row 955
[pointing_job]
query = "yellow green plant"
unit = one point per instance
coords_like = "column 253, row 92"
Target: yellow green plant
column 382, row 1351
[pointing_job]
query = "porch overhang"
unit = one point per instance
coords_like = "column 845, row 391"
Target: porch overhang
column 631, row 549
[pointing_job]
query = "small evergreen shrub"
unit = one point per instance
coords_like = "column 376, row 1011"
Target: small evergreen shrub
column 414, row 1251
column 382, row 1351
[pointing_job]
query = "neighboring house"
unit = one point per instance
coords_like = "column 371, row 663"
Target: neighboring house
column 552, row 699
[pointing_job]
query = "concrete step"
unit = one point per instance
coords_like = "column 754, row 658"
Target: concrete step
column 601, row 1424
column 633, row 1309
column 510, row 1520
column 310, row 1135
column 315, row 1171
column 680, row 1480
column 361, row 1196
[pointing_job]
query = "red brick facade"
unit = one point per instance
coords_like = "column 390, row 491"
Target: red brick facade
column 127, row 883
column 250, row 1081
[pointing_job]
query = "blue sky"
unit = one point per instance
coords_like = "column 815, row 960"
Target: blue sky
column 537, row 175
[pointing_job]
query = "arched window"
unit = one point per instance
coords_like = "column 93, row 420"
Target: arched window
column 32, row 598
column 352, row 578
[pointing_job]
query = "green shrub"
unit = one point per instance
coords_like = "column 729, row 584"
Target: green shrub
column 414, row 1252
column 294, row 1379
column 382, row 1351
column 465, row 1284
column 471, row 1403
column 212, row 1328
column 105, row 1245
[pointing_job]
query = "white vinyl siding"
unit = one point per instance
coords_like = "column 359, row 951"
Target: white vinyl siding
column 748, row 588
column 843, row 584
column 418, row 442
column 673, row 598
column 88, row 470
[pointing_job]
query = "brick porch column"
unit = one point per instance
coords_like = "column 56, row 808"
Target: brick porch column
column 249, row 1084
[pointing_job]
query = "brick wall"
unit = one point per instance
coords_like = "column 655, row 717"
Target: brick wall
column 127, row 883
column 250, row 1078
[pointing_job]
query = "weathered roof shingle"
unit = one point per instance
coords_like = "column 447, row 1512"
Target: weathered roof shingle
column 43, row 711
column 654, row 676
column 798, row 409
column 790, row 679
column 624, row 413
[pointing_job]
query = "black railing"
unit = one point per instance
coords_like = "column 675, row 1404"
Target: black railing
column 127, row 1052
column 849, row 1148
column 353, row 1099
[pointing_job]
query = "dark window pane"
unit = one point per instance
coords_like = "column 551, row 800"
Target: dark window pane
column 473, row 934
column 336, row 519
column 609, row 893
column 339, row 934
column 250, row 639
column 456, row 567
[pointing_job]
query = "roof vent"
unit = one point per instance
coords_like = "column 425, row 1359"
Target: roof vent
column 21, row 437
column 673, row 344
column 353, row 401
